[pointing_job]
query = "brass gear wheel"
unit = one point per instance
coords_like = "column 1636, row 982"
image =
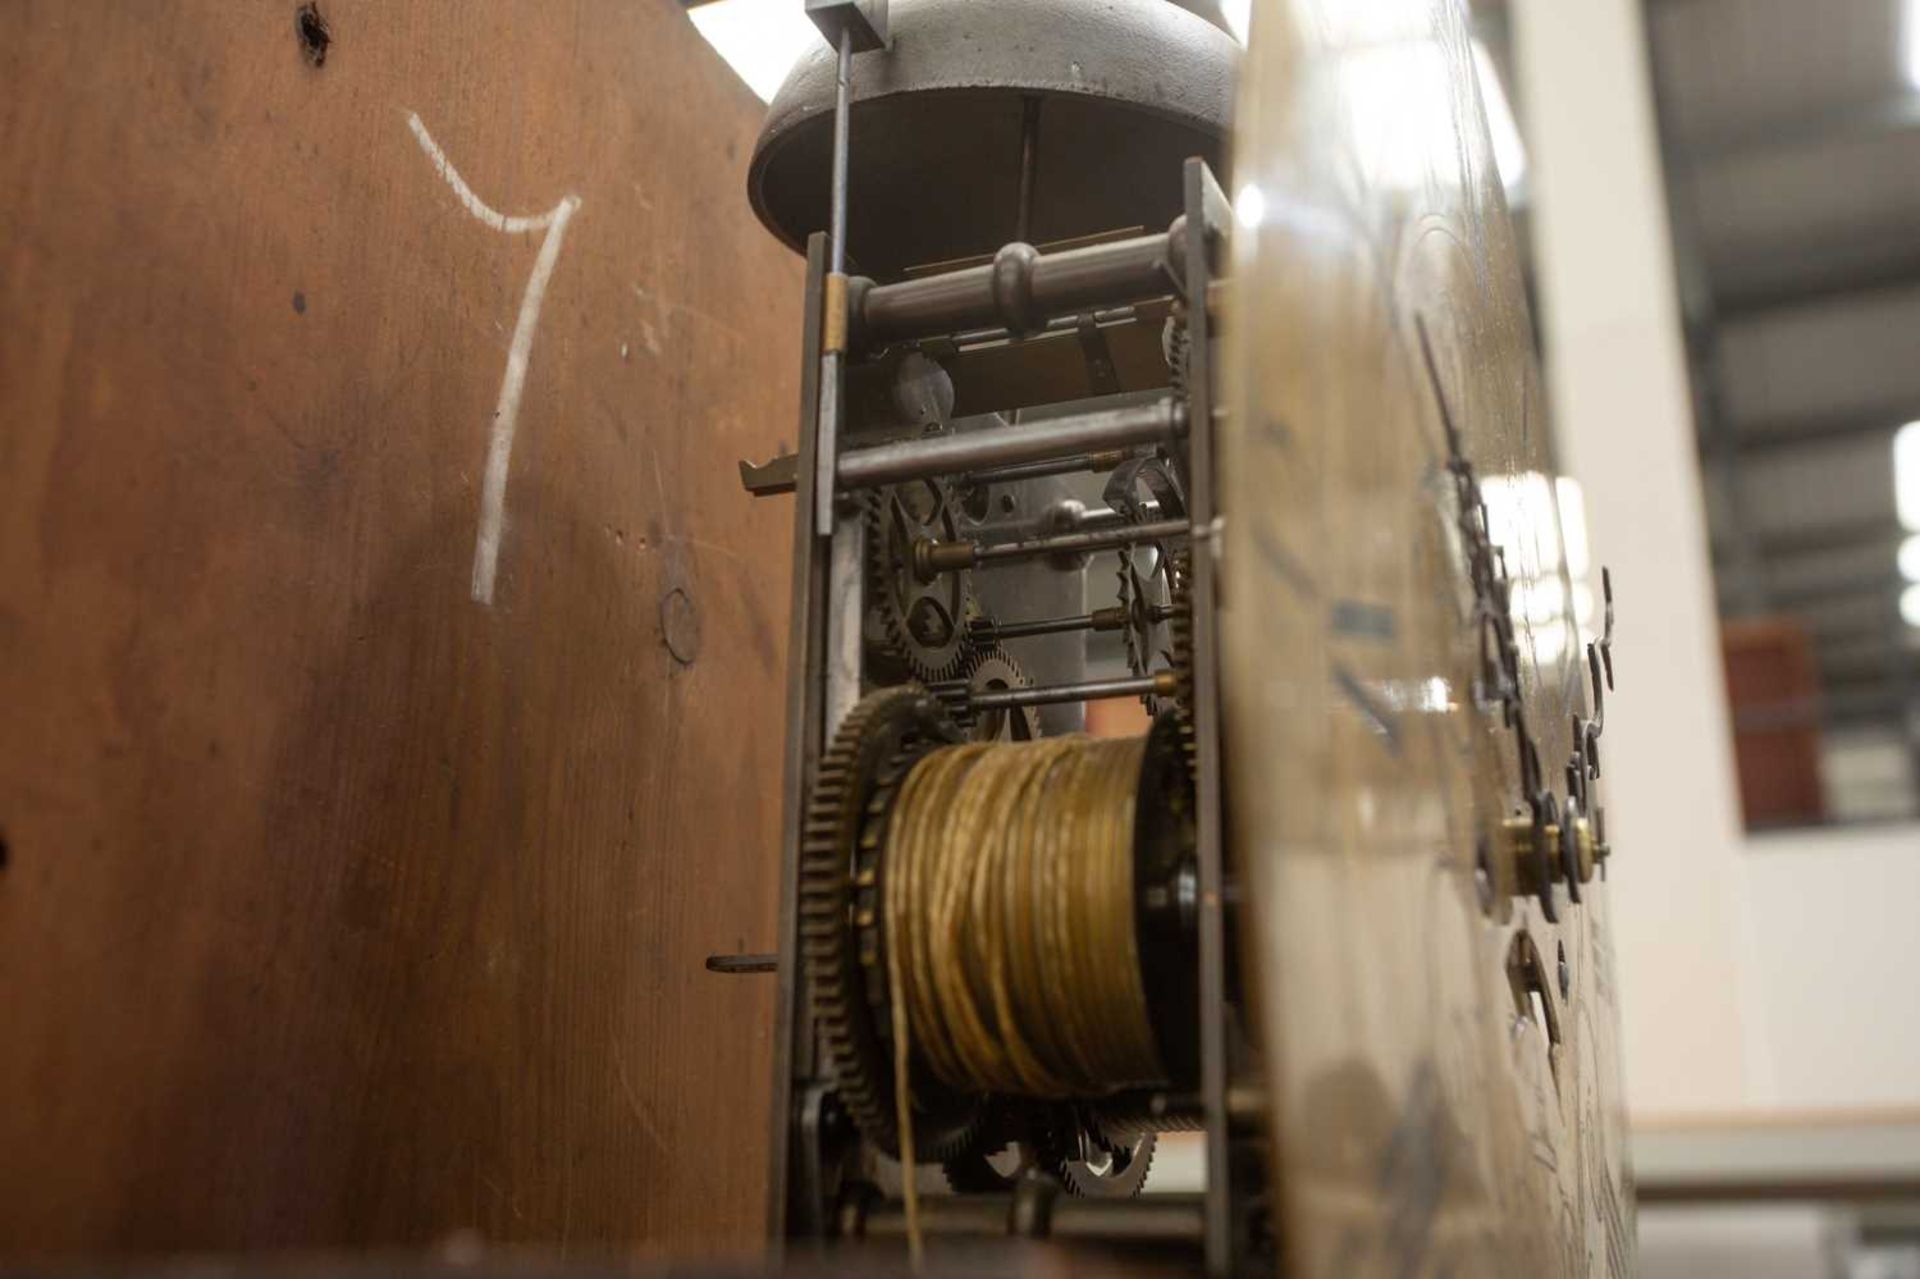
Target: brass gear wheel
column 842, row 946
column 916, row 630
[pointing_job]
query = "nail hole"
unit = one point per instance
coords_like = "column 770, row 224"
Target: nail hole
column 313, row 32
column 5, row 850
column 1566, row 973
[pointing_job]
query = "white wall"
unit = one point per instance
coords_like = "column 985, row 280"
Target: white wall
column 1617, row 382
column 1836, row 921
column 1769, row 973
column 1768, row 1241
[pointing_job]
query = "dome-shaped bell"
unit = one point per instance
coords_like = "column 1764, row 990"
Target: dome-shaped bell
column 1121, row 92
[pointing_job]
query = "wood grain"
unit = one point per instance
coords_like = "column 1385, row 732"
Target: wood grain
column 340, row 909
column 1428, row 1118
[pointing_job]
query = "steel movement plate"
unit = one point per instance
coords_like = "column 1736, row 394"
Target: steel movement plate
column 1427, row 1118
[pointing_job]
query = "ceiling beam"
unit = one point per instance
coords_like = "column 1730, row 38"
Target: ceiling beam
column 1854, row 536
column 1810, row 432
column 1860, row 269
column 1744, row 574
column 1848, row 707
column 1827, row 591
column 1891, row 113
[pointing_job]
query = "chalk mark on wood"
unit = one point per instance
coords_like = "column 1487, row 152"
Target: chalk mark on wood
column 506, row 412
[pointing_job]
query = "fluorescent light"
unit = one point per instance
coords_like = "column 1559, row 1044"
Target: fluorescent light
column 1509, row 152
column 1910, row 40
column 1910, row 605
column 1910, row 558
column 1906, row 475
column 760, row 39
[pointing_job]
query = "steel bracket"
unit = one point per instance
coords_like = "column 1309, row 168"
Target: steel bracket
column 866, row 19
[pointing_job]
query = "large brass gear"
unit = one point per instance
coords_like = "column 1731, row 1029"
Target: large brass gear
column 842, row 945
column 915, row 629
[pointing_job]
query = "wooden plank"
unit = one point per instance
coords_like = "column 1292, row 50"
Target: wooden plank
column 1428, row 1118
column 346, row 904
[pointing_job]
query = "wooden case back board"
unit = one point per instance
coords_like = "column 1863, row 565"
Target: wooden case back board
column 366, row 836
column 1431, row 1114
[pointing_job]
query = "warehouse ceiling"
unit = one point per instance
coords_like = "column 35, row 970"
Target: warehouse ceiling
column 1791, row 133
